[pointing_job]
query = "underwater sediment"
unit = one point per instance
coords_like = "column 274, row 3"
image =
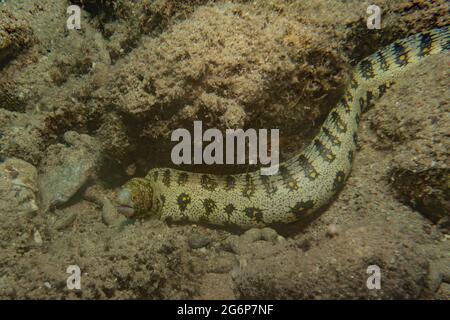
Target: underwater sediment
column 82, row 112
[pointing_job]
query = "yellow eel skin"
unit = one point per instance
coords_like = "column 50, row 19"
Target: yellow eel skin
column 305, row 182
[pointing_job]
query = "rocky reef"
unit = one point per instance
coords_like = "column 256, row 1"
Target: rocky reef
column 83, row 111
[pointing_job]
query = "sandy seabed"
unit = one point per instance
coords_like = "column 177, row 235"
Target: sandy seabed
column 81, row 112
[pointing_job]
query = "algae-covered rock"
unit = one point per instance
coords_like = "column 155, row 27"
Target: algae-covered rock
column 136, row 71
column 334, row 269
column 427, row 190
column 15, row 34
column 230, row 68
column 198, row 240
column 67, row 168
column 18, row 187
column 22, row 136
column 415, row 132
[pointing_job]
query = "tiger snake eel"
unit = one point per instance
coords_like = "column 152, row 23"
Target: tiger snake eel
column 305, row 182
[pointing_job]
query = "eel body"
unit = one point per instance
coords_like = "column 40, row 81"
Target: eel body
column 305, row 182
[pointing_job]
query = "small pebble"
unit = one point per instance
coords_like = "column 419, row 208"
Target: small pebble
column 65, row 221
column 198, row 240
column 37, row 237
column 110, row 216
column 131, row 170
column 269, row 234
column 280, row 239
column 332, row 231
column 251, row 235
column 231, row 244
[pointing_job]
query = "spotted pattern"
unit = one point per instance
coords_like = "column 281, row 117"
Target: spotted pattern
column 353, row 82
column 305, row 182
column 341, row 126
column 331, row 137
column 302, row 207
column 310, row 171
column 384, row 65
column 166, row 178
column 292, row 184
column 324, row 152
column 208, row 183
column 229, row 209
column 183, row 201
column 254, row 214
column 366, row 69
column 269, row 186
column 249, row 188
column 382, row 89
column 230, row 183
column 400, row 54
column 285, row 173
column 426, row 43
column 349, row 96
column 346, row 105
column 338, row 180
column 210, row 206
column 183, row 178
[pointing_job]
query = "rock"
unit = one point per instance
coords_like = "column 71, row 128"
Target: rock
column 193, row 67
column 198, row 240
column 18, row 187
column 438, row 273
column 271, row 235
column 251, row 235
column 15, row 34
column 251, row 239
column 231, row 244
column 332, row 231
column 37, row 237
column 264, row 234
column 65, row 221
column 426, row 190
column 67, row 168
column 23, row 136
column 110, row 216
column 443, row 292
column 335, row 268
column 96, row 194
column 223, row 263
column 246, row 242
